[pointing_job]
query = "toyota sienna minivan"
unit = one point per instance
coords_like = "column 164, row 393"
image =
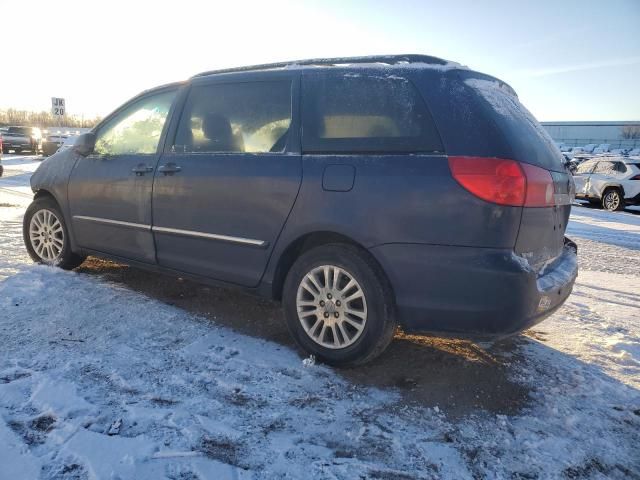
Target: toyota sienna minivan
column 364, row 193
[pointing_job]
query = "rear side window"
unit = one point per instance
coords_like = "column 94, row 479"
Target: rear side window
column 236, row 117
column 354, row 112
column 610, row 168
column 586, row 167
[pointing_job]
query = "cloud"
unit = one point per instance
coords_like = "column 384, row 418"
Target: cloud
column 544, row 72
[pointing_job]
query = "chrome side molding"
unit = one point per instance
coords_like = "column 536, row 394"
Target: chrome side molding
column 107, row 221
column 175, row 231
column 212, row 236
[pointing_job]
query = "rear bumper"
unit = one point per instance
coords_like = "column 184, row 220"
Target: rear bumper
column 470, row 291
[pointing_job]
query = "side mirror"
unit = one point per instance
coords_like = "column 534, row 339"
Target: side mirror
column 85, row 143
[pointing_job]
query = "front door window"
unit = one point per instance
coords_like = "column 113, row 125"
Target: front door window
column 137, row 129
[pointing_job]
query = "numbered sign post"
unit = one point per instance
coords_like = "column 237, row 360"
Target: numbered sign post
column 58, row 108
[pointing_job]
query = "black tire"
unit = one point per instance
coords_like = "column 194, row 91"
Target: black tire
column 613, row 200
column 66, row 260
column 380, row 324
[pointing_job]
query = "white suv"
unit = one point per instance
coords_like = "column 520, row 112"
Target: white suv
column 612, row 181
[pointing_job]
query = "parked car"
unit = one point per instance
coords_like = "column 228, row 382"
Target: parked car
column 52, row 143
column 612, row 182
column 620, row 151
column 589, row 148
column 361, row 192
column 68, row 142
column 20, row 139
column 602, row 148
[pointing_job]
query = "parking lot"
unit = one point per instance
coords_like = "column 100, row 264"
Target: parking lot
column 188, row 381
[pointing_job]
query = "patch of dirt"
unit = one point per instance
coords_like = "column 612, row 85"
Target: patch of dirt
column 13, row 377
column 33, row 432
column 164, row 402
column 458, row 376
column 594, row 468
column 224, row 450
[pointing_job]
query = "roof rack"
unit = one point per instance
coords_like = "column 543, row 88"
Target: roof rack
column 328, row 62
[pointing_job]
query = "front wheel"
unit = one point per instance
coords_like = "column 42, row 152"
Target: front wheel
column 46, row 236
column 612, row 200
column 339, row 305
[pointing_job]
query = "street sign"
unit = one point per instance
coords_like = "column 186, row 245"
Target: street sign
column 57, row 107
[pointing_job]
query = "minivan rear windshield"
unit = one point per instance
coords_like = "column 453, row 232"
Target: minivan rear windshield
column 530, row 142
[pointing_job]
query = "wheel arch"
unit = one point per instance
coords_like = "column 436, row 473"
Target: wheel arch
column 43, row 192
column 306, row 242
column 609, row 186
column 47, row 193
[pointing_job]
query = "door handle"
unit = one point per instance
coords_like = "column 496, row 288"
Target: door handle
column 169, row 168
column 141, row 169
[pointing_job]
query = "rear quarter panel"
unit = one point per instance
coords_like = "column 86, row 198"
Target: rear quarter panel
column 395, row 199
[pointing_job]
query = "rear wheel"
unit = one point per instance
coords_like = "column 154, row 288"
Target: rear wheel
column 46, row 236
column 612, row 200
column 338, row 305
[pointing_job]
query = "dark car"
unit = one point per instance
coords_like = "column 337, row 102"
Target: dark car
column 20, row 139
column 364, row 193
column 52, row 143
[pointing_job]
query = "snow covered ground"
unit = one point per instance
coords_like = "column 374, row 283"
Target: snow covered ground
column 100, row 381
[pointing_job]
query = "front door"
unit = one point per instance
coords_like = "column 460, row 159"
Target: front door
column 223, row 193
column 582, row 176
column 110, row 189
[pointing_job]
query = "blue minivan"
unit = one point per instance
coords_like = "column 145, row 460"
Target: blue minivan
column 364, row 193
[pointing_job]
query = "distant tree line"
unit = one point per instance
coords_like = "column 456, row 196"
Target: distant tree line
column 44, row 119
column 631, row 131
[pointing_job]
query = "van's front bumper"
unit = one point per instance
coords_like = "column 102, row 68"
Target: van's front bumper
column 470, row 291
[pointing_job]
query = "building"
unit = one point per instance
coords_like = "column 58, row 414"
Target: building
column 576, row 134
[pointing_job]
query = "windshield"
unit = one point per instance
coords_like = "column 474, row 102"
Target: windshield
column 20, row 130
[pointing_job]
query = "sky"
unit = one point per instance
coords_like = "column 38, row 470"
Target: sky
column 567, row 60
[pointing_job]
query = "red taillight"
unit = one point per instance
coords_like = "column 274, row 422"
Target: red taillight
column 539, row 186
column 503, row 181
column 636, row 177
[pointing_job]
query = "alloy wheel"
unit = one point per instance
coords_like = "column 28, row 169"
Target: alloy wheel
column 612, row 200
column 331, row 307
column 46, row 235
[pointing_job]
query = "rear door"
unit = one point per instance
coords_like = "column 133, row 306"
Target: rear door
column 228, row 181
column 110, row 189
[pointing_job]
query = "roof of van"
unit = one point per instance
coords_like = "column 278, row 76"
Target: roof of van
column 386, row 61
